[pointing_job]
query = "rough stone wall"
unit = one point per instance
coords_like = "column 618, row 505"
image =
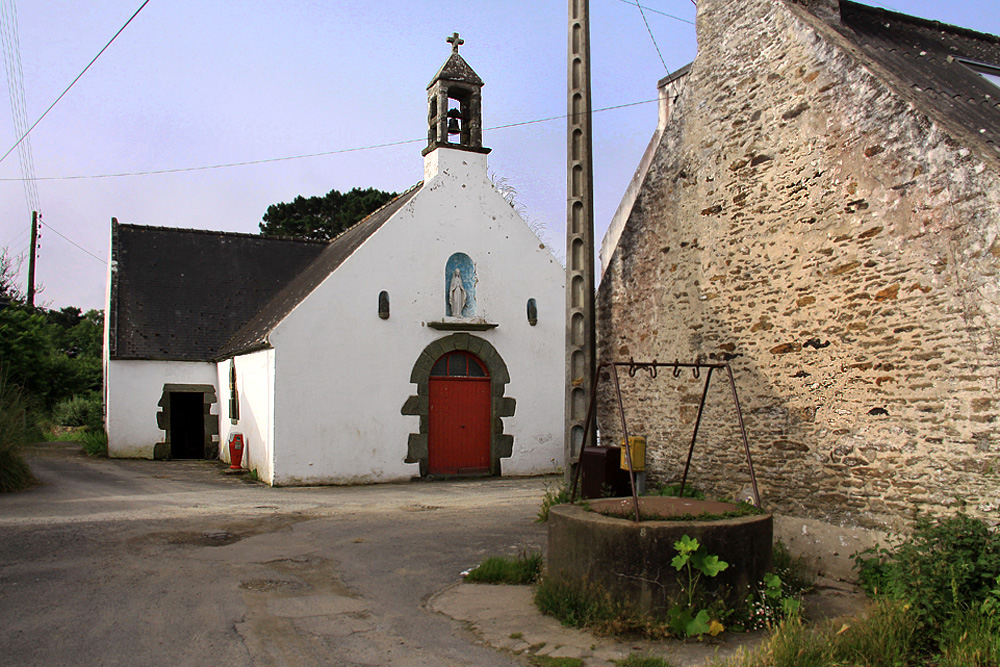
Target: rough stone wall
column 804, row 222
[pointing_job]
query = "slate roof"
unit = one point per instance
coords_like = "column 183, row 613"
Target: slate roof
column 924, row 58
column 254, row 334
column 179, row 294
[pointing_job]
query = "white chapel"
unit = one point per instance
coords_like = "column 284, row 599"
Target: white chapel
column 425, row 341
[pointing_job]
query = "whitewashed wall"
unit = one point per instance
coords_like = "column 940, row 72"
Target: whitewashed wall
column 254, row 389
column 134, row 389
column 348, row 371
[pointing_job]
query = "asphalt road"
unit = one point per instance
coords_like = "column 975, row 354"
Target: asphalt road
column 120, row 562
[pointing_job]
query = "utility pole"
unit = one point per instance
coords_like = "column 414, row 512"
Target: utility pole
column 581, row 339
column 31, row 259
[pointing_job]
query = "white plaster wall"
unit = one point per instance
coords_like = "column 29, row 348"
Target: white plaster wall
column 134, row 389
column 255, row 392
column 342, row 374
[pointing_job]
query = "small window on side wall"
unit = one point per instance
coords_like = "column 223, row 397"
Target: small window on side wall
column 532, row 312
column 234, row 399
column 383, row 305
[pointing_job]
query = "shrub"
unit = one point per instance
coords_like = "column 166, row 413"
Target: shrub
column 80, row 410
column 946, row 566
column 521, row 569
column 15, row 474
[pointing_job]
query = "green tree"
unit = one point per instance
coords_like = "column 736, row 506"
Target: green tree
column 322, row 217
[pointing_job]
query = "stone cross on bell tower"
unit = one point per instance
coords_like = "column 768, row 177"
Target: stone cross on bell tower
column 455, row 105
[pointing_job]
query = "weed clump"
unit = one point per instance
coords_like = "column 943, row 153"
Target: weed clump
column 521, row 569
column 555, row 494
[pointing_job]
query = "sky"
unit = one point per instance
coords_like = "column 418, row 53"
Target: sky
column 191, row 84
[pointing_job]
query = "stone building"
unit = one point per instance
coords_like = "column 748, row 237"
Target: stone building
column 425, row 340
column 820, row 207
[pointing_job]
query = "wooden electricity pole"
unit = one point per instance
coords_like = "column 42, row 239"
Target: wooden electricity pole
column 31, row 259
column 581, row 338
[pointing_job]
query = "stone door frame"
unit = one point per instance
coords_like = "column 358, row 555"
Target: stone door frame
column 501, row 444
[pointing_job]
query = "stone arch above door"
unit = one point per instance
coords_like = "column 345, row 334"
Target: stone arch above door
column 501, row 444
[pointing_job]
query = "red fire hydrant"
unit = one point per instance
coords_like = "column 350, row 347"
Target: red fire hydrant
column 235, row 451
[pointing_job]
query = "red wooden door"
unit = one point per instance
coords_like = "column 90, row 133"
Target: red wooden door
column 459, row 416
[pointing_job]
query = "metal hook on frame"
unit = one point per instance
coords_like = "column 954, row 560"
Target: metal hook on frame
column 677, row 370
column 631, row 367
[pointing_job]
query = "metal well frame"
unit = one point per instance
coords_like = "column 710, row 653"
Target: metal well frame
column 652, row 368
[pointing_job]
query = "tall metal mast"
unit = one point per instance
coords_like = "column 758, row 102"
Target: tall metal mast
column 580, row 329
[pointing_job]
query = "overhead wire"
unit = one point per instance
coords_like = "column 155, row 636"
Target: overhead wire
column 653, row 39
column 17, row 237
column 657, row 11
column 68, row 239
column 15, row 88
column 73, row 82
column 227, row 165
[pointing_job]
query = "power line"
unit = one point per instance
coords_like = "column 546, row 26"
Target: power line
column 73, row 82
column 17, row 237
column 15, row 89
column 650, row 31
column 58, row 233
column 657, row 11
column 228, row 165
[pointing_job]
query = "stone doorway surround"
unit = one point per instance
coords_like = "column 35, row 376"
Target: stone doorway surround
column 161, row 450
column 501, row 444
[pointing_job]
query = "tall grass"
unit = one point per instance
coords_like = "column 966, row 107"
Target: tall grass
column 95, row 443
column 15, row 474
column 886, row 635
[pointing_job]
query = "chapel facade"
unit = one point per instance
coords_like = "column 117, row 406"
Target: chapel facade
column 427, row 340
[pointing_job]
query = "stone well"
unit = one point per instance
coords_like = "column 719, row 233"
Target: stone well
column 631, row 560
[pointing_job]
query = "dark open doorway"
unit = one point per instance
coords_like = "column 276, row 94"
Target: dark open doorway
column 187, row 425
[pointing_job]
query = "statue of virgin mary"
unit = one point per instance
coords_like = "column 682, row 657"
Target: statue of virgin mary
column 456, row 294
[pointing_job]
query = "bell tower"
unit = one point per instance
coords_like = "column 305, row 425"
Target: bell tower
column 455, row 105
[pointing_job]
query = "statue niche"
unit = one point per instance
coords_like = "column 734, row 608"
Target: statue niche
column 460, row 286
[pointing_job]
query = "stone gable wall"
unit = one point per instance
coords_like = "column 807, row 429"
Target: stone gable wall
column 804, row 222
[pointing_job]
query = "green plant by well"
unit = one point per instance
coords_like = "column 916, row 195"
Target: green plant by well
column 521, row 569
column 693, row 561
column 555, row 494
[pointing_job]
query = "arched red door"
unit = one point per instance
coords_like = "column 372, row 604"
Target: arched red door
column 458, row 430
